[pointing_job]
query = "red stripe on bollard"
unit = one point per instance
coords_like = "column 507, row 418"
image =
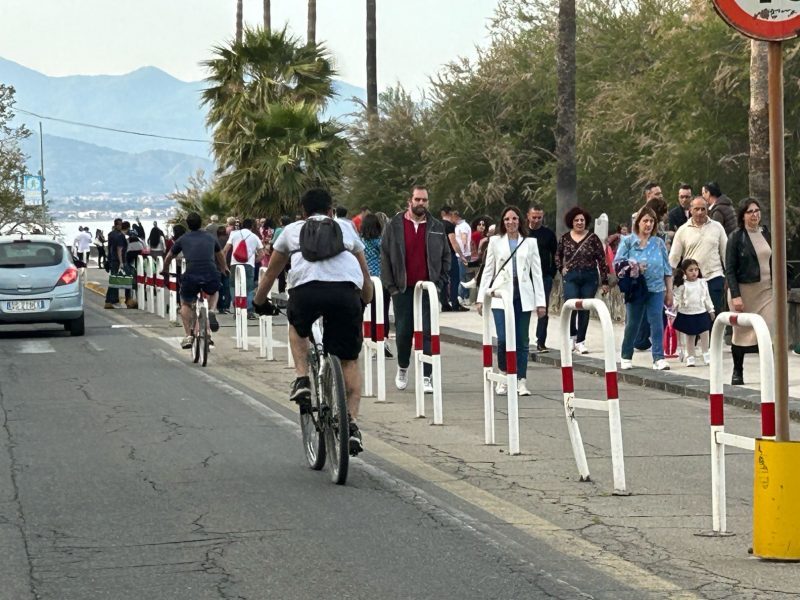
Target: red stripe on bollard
column 717, row 418
column 379, row 333
column 173, row 286
column 487, row 355
column 579, row 305
column 140, row 279
column 435, row 349
column 511, row 362
column 768, row 419
column 612, row 392
column 240, row 302
column 734, row 319
column 417, row 340
column 159, row 282
column 567, row 382
column 367, row 330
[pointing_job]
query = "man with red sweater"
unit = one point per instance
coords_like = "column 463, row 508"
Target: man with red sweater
column 414, row 248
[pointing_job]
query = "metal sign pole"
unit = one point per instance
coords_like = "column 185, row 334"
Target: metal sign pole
column 778, row 226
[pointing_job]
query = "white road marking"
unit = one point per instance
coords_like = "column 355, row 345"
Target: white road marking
column 35, row 347
column 94, row 346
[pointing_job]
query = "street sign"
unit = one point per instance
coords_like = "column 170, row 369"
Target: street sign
column 32, row 188
column 768, row 20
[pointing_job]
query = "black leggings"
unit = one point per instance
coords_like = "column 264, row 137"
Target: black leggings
column 738, row 353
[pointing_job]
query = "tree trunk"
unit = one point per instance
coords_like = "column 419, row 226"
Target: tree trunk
column 566, row 164
column 372, row 63
column 759, row 127
column 312, row 22
column 239, row 21
column 267, row 16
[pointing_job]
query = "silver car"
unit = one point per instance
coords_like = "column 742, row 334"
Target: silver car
column 39, row 283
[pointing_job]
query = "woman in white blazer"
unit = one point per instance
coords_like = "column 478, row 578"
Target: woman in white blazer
column 512, row 264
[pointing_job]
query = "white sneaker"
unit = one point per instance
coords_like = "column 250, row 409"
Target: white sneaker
column 706, row 358
column 401, row 379
column 500, row 389
column 690, row 361
column 427, row 386
column 661, row 365
column 522, row 388
column 581, row 348
column 625, row 364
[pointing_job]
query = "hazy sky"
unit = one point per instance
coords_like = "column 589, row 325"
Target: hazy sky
column 68, row 37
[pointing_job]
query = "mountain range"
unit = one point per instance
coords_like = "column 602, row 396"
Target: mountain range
column 80, row 159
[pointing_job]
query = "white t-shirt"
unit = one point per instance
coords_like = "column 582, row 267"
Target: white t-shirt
column 253, row 244
column 342, row 267
column 463, row 237
column 83, row 242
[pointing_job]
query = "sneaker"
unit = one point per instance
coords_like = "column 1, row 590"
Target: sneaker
column 661, row 365
column 581, row 348
column 427, row 386
column 210, row 342
column 522, row 388
column 212, row 321
column 795, row 350
column 500, row 389
column 251, row 316
column 131, row 303
column 625, row 364
column 301, row 391
column 187, row 342
column 401, row 379
column 387, row 353
column 108, row 305
column 690, row 361
column 541, row 348
column 707, row 358
column 355, row 443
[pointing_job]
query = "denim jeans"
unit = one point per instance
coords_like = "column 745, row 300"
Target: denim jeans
column 522, row 322
column 462, row 277
column 541, row 323
column 249, row 281
column 651, row 307
column 404, row 327
column 455, row 279
column 224, row 302
column 580, row 283
column 716, row 285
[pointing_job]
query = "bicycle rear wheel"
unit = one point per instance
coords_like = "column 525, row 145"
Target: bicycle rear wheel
column 313, row 440
column 202, row 327
column 336, row 425
column 195, row 341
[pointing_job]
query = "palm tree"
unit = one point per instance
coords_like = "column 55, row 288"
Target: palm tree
column 267, row 16
column 311, row 38
column 372, row 60
column 566, row 163
column 239, row 20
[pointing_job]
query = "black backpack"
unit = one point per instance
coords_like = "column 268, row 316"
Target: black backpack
column 321, row 239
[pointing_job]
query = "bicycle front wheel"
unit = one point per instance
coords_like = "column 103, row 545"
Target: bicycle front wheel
column 313, row 440
column 336, row 426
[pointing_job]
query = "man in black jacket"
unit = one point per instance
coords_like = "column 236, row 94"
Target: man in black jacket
column 548, row 244
column 414, row 248
column 680, row 214
column 720, row 207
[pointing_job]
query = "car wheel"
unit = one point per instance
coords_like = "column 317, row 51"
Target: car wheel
column 76, row 326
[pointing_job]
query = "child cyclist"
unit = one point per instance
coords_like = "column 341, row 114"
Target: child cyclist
column 695, row 309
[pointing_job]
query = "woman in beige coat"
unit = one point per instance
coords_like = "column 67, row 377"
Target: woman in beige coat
column 513, row 265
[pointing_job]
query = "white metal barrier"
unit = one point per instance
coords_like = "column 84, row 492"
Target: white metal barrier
column 509, row 378
column 610, row 405
column 172, row 284
column 375, row 348
column 240, row 304
column 140, row 282
column 150, row 283
column 266, row 343
column 720, row 439
column 420, row 358
column 161, row 296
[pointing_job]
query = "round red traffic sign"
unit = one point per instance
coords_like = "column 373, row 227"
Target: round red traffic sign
column 769, row 20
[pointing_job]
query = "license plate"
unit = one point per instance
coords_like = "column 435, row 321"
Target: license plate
column 25, row 305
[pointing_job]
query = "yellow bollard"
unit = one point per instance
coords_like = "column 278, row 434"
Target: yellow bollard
column 776, row 500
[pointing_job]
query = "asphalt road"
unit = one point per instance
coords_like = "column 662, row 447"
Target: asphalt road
column 126, row 472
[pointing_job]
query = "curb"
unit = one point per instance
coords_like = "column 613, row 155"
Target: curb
column 683, row 385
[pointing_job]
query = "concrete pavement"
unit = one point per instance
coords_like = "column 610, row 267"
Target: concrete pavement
column 647, row 539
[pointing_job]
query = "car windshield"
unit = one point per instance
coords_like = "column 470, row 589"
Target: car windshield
column 22, row 254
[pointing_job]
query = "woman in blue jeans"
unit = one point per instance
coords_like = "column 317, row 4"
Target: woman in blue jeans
column 650, row 254
column 579, row 257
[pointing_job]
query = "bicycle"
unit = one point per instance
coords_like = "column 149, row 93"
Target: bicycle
column 326, row 425
column 200, row 330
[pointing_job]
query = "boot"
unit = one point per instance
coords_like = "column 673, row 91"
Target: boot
column 737, row 352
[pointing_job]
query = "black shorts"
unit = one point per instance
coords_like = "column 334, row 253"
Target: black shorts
column 339, row 305
column 192, row 283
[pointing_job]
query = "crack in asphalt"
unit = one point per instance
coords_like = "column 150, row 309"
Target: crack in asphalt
column 15, row 468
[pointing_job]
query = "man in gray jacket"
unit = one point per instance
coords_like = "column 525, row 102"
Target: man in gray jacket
column 413, row 248
column 720, row 207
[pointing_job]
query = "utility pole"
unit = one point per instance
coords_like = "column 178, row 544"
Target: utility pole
column 41, row 176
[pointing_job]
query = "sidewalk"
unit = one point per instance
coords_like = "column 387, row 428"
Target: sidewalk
column 648, row 541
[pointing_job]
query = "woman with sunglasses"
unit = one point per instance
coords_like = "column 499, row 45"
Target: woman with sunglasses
column 748, row 272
